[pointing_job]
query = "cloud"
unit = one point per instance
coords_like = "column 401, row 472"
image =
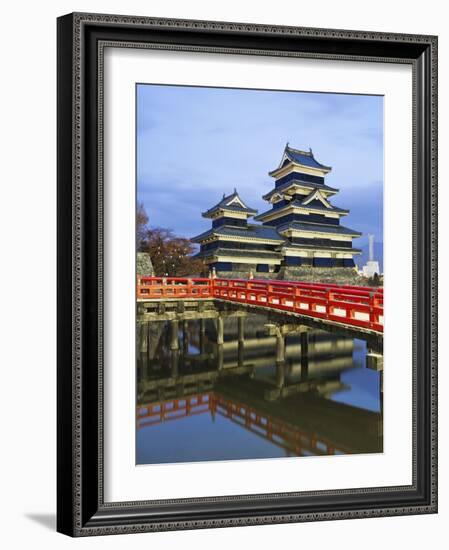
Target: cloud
column 194, row 143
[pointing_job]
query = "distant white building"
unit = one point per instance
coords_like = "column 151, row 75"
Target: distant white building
column 372, row 265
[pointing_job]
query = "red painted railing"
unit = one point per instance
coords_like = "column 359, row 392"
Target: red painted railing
column 349, row 305
column 152, row 288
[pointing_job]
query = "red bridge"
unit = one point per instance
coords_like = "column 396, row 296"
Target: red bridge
column 355, row 306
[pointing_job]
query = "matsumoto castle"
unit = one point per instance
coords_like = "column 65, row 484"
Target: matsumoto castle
column 300, row 231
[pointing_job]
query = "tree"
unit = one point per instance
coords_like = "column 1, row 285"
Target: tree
column 171, row 256
column 141, row 227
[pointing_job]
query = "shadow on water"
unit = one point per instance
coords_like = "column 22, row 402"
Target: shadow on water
column 228, row 385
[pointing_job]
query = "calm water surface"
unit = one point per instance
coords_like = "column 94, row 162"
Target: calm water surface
column 235, row 388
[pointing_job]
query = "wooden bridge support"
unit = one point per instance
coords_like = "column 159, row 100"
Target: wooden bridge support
column 220, row 330
column 280, row 375
column 276, row 330
column 174, row 335
column 185, row 337
column 143, row 338
column 375, row 361
column 241, row 328
column 280, row 348
column 241, row 353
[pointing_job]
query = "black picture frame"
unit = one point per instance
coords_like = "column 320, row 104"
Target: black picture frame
column 81, row 509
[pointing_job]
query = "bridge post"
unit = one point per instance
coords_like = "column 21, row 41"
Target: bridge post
column 280, row 347
column 174, row 338
column 220, row 356
column 220, row 330
column 143, row 337
column 185, row 337
column 240, row 353
column 374, row 361
column 241, row 328
column 280, row 374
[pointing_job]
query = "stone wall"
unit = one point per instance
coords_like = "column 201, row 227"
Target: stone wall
column 144, row 265
column 307, row 274
column 245, row 275
column 333, row 275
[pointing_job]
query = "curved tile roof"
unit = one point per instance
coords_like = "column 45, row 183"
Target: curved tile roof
column 251, row 231
column 304, row 158
column 299, row 204
column 241, row 253
column 319, row 227
column 321, row 247
column 232, row 203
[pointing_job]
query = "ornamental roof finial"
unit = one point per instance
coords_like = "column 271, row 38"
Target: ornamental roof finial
column 224, row 195
column 310, row 150
column 235, row 190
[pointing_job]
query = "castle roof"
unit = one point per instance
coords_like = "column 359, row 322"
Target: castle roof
column 314, row 205
column 262, row 254
column 303, row 158
column 319, row 228
column 292, row 246
column 297, row 181
column 230, row 203
column 251, row 231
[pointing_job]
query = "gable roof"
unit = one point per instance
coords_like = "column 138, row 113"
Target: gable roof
column 231, row 203
column 304, row 158
column 316, row 196
column 286, row 185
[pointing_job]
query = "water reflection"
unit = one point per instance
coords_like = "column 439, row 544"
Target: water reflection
column 238, row 385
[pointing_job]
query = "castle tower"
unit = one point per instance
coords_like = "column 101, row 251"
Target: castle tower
column 302, row 213
column 233, row 246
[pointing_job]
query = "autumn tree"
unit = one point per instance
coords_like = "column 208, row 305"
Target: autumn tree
column 170, row 255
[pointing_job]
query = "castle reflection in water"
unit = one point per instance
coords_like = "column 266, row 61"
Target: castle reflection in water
column 235, row 385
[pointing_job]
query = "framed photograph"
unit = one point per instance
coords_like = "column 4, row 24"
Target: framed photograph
column 247, row 284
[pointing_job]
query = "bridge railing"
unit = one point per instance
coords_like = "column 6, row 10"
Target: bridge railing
column 356, row 306
column 352, row 305
column 152, row 288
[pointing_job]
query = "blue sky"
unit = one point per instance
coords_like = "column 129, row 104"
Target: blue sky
column 194, row 144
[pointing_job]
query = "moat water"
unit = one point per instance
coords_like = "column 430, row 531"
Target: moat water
column 235, row 388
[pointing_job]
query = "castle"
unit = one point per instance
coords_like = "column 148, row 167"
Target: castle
column 299, row 236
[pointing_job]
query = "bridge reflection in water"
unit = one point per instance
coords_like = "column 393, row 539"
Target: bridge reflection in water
column 225, row 384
